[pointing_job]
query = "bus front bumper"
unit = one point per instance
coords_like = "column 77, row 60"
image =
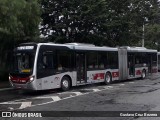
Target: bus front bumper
column 26, row 86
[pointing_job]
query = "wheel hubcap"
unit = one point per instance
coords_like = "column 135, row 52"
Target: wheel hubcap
column 108, row 78
column 65, row 83
column 143, row 75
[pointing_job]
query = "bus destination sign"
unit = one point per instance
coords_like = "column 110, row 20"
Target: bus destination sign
column 25, row 48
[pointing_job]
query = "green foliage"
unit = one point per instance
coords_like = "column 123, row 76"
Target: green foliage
column 73, row 20
column 117, row 23
column 152, row 36
column 102, row 22
column 19, row 20
column 152, row 27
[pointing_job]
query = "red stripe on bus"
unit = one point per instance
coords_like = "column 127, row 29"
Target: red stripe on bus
column 138, row 72
column 115, row 74
column 154, row 70
column 98, row 76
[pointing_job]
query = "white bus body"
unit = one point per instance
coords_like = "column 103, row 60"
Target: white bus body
column 44, row 66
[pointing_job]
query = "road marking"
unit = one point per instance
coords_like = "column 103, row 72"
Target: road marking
column 71, row 96
column 56, row 98
column 25, row 105
column 131, row 82
column 63, row 93
column 121, row 84
column 108, row 87
column 77, row 93
column 43, row 97
column 96, row 90
column 11, row 102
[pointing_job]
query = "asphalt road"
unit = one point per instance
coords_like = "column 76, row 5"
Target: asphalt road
column 95, row 100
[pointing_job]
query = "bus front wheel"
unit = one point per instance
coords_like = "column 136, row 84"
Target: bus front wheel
column 108, row 78
column 65, row 84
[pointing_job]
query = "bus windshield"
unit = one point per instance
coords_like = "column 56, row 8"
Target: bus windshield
column 23, row 62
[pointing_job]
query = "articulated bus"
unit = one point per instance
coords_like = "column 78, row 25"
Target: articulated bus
column 41, row 66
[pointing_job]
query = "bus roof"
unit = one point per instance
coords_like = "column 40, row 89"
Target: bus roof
column 138, row 49
column 82, row 46
column 92, row 47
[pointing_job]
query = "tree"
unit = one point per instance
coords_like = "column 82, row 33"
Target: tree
column 73, row 20
column 19, row 23
column 145, row 12
column 102, row 22
column 152, row 36
column 117, row 25
column 152, row 28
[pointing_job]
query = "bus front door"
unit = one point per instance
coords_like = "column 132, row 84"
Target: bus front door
column 81, row 67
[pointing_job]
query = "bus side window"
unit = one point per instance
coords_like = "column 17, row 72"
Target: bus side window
column 45, row 64
column 64, row 60
column 92, row 60
column 60, row 67
column 101, row 65
column 45, row 60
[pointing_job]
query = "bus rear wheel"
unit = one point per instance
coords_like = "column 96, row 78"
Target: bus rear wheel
column 65, row 84
column 108, row 78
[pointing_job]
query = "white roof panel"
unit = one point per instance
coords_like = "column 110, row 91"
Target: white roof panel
column 82, row 46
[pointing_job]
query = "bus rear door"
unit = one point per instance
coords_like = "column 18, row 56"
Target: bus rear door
column 81, row 67
column 131, row 64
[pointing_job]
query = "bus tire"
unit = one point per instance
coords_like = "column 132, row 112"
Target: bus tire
column 143, row 74
column 108, row 78
column 65, row 83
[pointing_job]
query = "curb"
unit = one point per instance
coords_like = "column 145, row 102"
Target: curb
column 5, row 89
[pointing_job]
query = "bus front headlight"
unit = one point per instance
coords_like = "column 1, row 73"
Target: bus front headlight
column 31, row 78
column 10, row 77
